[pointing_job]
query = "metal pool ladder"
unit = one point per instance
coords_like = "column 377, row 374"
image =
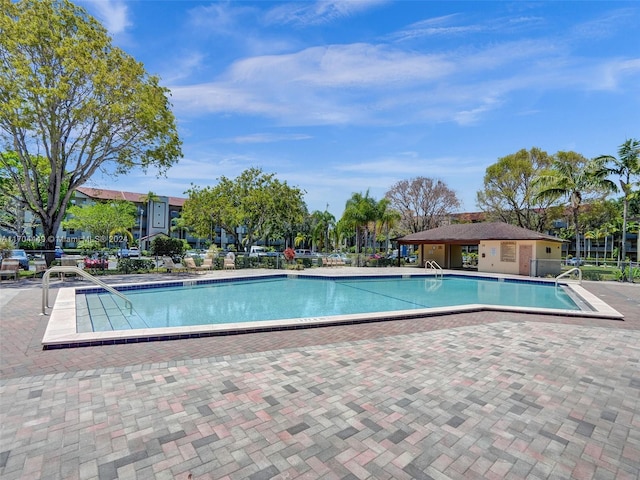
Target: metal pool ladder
column 433, row 265
column 82, row 273
column 568, row 272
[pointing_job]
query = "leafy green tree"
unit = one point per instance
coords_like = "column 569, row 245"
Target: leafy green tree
column 422, row 203
column 163, row 246
column 103, row 220
column 627, row 168
column 88, row 106
column 257, row 201
column 508, row 194
column 573, row 177
column 13, row 207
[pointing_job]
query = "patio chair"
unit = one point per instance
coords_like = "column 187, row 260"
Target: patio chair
column 171, row 266
column 9, row 268
column 229, row 261
column 207, row 264
column 191, row 265
column 41, row 267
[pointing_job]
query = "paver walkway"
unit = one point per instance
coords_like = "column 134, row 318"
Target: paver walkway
column 478, row 395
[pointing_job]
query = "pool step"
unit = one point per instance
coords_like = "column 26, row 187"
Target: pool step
column 105, row 312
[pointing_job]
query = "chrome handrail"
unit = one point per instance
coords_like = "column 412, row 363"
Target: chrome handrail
column 433, row 265
column 82, row 273
column 571, row 270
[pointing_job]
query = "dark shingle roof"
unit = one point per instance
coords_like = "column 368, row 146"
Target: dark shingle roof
column 472, row 233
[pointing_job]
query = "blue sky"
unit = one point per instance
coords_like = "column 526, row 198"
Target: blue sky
column 344, row 97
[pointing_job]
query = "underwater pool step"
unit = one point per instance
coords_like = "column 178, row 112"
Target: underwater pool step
column 103, row 313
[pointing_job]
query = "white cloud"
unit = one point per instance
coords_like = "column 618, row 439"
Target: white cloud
column 318, row 12
column 269, row 138
column 381, row 84
column 220, row 18
column 113, row 14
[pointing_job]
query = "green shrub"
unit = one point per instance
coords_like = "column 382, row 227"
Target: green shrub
column 30, row 245
column 590, row 275
column 130, row 265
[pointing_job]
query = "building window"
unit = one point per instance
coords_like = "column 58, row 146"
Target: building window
column 507, row 251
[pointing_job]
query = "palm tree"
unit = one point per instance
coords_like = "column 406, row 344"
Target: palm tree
column 599, row 233
column 387, row 218
column 359, row 211
column 627, row 167
column 589, row 235
column 323, row 222
column 300, row 239
column 610, row 229
column 572, row 176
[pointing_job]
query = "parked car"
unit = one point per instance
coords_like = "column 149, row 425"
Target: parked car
column 96, row 261
column 21, row 256
column 304, row 253
column 341, row 257
column 196, row 254
column 575, row 262
column 59, row 252
column 134, row 252
column 122, row 253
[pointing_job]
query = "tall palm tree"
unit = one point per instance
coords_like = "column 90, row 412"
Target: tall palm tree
column 323, row 223
column 359, row 211
column 627, row 168
column 387, row 218
column 572, row 176
column 611, row 229
column 589, row 235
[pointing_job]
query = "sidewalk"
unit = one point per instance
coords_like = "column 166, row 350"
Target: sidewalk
column 477, row 395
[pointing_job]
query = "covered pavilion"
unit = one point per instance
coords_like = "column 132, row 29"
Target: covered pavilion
column 502, row 248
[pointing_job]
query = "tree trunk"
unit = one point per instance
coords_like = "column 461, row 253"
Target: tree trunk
column 50, row 230
column 625, row 207
column 575, row 223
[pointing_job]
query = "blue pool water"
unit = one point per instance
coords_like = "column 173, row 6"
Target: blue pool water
column 284, row 297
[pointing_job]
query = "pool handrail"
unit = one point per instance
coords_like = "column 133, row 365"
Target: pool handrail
column 82, row 273
column 568, row 272
column 433, row 265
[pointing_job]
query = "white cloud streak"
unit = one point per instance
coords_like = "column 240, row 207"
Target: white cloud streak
column 113, row 14
column 377, row 84
column 318, row 12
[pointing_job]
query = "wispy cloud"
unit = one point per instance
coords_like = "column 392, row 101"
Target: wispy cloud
column 220, row 18
column 318, row 12
column 376, row 84
column 269, row 138
column 113, row 14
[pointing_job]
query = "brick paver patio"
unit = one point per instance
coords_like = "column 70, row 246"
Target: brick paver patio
column 477, row 395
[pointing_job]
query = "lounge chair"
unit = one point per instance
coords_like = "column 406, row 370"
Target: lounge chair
column 9, row 268
column 229, row 261
column 207, row 264
column 171, row 266
column 191, row 265
column 41, row 267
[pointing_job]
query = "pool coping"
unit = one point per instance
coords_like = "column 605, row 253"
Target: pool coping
column 62, row 325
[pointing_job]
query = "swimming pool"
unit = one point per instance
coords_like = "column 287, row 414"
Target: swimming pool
column 216, row 306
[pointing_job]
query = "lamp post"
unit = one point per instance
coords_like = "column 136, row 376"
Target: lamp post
column 141, row 212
